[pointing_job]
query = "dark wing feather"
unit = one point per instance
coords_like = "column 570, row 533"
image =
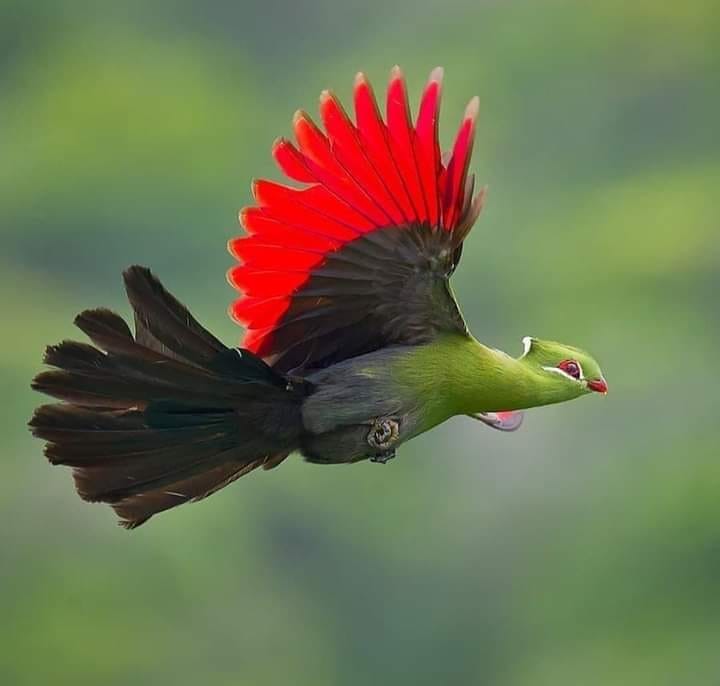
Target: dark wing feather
column 387, row 287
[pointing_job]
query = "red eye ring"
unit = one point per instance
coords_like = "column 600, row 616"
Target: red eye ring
column 571, row 368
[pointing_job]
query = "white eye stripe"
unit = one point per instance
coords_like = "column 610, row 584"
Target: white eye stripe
column 557, row 370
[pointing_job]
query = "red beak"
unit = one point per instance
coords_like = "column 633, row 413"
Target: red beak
column 598, row 385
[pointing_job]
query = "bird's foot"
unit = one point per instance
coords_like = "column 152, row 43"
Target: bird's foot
column 383, row 436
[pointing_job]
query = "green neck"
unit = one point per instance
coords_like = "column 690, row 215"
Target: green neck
column 459, row 375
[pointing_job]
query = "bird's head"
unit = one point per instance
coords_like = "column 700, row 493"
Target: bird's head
column 574, row 369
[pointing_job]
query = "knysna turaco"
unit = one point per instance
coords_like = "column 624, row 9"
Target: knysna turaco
column 354, row 343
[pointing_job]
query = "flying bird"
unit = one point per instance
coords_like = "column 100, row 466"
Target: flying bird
column 353, row 343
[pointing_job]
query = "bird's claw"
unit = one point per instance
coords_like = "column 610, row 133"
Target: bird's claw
column 383, row 457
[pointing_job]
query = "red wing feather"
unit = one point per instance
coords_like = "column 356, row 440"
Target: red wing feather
column 290, row 161
column 426, row 130
column 357, row 178
column 373, row 138
column 457, row 168
column 402, row 144
column 330, row 174
column 295, row 207
column 346, row 147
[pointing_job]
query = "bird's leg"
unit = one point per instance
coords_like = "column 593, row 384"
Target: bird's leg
column 383, row 437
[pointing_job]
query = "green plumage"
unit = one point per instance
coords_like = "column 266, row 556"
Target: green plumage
column 457, row 375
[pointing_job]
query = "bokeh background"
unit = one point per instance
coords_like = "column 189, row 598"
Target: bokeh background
column 583, row 550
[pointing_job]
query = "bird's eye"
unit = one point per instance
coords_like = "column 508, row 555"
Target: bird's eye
column 570, row 367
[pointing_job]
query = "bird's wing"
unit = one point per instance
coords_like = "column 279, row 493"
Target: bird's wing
column 360, row 255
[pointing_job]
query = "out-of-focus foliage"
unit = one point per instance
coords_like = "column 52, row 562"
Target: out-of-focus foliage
column 583, row 550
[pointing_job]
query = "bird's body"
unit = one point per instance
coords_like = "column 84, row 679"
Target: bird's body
column 354, row 343
column 421, row 386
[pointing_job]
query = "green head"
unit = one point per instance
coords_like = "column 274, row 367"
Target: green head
column 569, row 370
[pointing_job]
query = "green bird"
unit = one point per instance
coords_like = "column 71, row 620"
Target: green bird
column 354, row 342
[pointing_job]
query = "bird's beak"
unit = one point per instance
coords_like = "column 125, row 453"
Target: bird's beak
column 598, row 385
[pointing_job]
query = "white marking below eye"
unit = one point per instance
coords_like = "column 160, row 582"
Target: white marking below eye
column 557, row 370
column 239, row 352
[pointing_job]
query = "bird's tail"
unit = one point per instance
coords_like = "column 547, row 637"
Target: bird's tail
column 166, row 416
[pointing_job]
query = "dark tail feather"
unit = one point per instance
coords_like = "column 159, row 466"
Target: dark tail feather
column 164, row 324
column 163, row 418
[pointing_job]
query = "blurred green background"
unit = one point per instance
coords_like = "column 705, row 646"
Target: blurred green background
column 583, row 550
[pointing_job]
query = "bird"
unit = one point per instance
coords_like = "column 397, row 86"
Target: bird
column 353, row 343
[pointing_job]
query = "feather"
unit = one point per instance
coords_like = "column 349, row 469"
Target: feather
column 426, row 129
column 160, row 317
column 402, row 144
column 344, row 139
